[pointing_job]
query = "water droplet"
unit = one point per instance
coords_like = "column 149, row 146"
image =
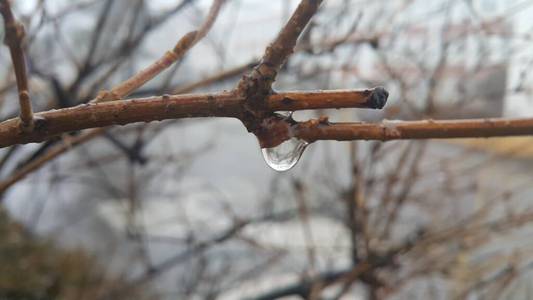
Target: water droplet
column 285, row 155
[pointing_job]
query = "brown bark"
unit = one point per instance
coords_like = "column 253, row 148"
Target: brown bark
column 257, row 86
column 426, row 129
column 14, row 38
column 258, row 83
column 226, row 104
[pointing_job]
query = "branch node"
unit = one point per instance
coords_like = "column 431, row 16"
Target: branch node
column 184, row 44
column 273, row 130
column 324, row 120
column 257, row 86
column 14, row 33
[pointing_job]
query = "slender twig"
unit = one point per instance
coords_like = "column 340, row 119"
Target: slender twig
column 139, row 79
column 401, row 130
column 14, row 38
column 170, row 57
column 257, row 85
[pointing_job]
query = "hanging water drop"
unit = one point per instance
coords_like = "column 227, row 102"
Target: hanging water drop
column 285, row 155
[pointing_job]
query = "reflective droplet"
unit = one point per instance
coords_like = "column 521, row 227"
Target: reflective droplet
column 284, row 156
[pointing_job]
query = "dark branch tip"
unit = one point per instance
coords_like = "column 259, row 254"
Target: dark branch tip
column 378, row 98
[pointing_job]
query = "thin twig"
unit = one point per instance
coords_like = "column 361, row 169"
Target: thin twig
column 170, row 57
column 14, row 38
column 225, row 104
column 256, row 86
column 259, row 83
column 401, row 130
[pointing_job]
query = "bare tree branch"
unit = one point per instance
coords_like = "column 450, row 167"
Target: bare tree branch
column 256, row 86
column 88, row 135
column 400, row 130
column 14, row 38
column 225, row 104
column 259, row 83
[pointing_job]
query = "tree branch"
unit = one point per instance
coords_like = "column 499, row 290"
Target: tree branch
column 400, row 130
column 225, row 104
column 13, row 39
column 259, row 83
column 59, row 149
column 88, row 135
column 253, row 102
column 256, row 86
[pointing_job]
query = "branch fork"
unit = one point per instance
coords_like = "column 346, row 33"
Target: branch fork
column 274, row 129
